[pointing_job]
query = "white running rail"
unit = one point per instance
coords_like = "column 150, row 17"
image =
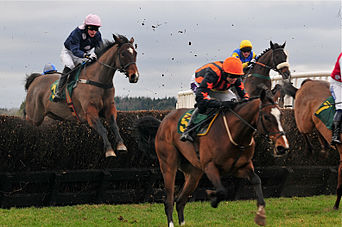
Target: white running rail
column 186, row 99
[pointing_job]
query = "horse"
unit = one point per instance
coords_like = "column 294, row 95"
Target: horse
column 227, row 148
column 308, row 99
column 94, row 94
column 258, row 78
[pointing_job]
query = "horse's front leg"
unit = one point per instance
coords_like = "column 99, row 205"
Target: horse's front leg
column 214, row 176
column 95, row 122
column 260, row 217
column 111, row 114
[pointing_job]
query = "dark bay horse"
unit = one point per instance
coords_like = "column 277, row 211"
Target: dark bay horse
column 308, row 99
column 94, row 93
column 228, row 148
column 273, row 58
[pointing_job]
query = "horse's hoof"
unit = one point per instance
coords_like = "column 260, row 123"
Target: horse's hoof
column 260, row 217
column 110, row 153
column 214, row 203
column 260, row 220
column 121, row 147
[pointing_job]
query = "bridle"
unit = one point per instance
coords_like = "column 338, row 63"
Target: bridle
column 266, row 133
column 122, row 68
column 275, row 67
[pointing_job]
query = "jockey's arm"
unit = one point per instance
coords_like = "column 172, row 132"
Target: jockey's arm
column 240, row 88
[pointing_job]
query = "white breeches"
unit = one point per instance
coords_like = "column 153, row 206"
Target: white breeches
column 69, row 60
column 223, row 95
column 336, row 91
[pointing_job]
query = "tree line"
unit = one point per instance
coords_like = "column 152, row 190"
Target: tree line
column 121, row 103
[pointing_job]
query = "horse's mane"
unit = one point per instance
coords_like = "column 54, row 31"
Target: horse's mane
column 276, row 46
column 108, row 44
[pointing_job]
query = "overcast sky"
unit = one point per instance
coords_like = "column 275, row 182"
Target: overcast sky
column 33, row 32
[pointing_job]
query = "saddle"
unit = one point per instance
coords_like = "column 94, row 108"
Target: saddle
column 326, row 112
column 71, row 84
column 202, row 122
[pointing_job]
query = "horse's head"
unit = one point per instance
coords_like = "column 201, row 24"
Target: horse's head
column 269, row 124
column 126, row 58
column 280, row 62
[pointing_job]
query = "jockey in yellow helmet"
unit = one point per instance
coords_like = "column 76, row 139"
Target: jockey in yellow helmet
column 245, row 53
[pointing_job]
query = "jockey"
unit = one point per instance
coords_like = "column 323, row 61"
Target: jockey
column 212, row 84
column 245, row 54
column 80, row 44
column 336, row 91
column 49, row 69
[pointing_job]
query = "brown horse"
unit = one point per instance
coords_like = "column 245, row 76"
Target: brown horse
column 258, row 78
column 227, row 148
column 308, row 99
column 94, row 92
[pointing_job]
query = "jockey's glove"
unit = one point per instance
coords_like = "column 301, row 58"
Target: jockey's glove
column 228, row 104
column 91, row 56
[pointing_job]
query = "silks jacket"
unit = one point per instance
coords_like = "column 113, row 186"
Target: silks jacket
column 210, row 78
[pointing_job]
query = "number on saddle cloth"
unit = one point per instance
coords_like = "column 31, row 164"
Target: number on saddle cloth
column 326, row 112
column 204, row 119
column 71, row 84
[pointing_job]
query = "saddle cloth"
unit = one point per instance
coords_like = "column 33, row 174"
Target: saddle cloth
column 70, row 85
column 203, row 129
column 326, row 112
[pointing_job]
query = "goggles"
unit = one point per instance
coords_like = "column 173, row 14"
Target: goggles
column 92, row 28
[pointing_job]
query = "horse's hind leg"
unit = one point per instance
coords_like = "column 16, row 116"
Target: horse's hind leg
column 192, row 177
column 167, row 155
column 214, row 176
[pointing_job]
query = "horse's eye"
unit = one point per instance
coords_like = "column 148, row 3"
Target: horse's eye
column 267, row 117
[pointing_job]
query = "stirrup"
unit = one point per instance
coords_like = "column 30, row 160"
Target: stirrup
column 57, row 98
column 335, row 141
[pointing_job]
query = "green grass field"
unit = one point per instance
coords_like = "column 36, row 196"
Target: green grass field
column 296, row 211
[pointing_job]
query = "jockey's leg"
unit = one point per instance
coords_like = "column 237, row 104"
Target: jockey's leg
column 337, row 128
column 61, row 83
column 186, row 135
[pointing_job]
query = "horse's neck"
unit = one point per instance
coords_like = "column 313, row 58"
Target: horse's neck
column 265, row 59
column 249, row 112
column 104, row 69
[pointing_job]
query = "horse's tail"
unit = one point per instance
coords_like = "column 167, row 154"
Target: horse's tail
column 146, row 130
column 30, row 79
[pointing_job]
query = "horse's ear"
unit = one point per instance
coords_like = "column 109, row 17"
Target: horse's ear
column 131, row 40
column 271, row 44
column 283, row 44
column 116, row 38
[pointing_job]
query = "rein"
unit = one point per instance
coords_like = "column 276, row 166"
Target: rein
column 266, row 135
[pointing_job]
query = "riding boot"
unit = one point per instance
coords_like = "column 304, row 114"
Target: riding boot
column 62, row 81
column 187, row 134
column 335, row 139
